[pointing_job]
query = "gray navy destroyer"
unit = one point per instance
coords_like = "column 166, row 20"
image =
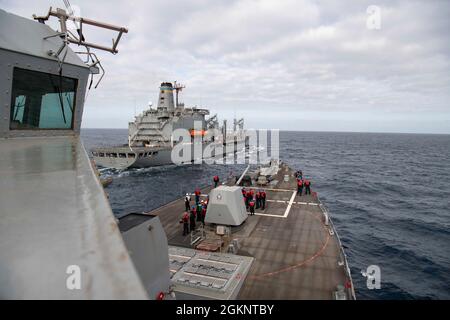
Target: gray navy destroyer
column 59, row 238
column 151, row 139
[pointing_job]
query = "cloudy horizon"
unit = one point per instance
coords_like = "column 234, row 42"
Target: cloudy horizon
column 292, row 65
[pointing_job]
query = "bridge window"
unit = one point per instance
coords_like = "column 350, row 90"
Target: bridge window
column 131, row 155
column 42, row 100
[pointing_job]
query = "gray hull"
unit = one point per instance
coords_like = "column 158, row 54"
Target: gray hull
column 124, row 157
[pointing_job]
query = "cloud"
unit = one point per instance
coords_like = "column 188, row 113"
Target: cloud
column 275, row 62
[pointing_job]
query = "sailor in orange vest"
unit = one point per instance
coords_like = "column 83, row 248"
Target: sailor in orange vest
column 251, row 205
column 248, row 196
column 263, row 200
column 307, row 187
column 197, row 196
column 185, row 221
column 216, row 181
column 258, row 199
column 299, row 187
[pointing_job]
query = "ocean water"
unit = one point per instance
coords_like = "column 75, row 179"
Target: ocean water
column 388, row 194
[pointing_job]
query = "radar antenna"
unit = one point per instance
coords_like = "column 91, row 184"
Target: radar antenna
column 238, row 123
column 178, row 87
column 79, row 38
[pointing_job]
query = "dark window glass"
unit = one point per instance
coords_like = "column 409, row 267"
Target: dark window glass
column 42, row 100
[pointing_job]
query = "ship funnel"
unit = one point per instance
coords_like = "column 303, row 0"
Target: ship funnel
column 166, row 96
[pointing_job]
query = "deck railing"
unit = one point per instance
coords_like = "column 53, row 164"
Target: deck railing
column 349, row 290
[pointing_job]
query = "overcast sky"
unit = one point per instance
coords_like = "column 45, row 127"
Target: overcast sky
column 291, row 65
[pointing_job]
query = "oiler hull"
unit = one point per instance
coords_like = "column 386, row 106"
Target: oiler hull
column 144, row 157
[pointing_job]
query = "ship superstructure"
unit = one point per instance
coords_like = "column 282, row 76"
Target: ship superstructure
column 151, row 134
column 58, row 236
column 154, row 126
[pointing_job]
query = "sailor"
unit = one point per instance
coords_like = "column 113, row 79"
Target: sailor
column 307, row 186
column 300, row 175
column 203, row 214
column 263, row 200
column 185, row 221
column 251, row 205
column 251, row 193
column 248, row 196
column 199, row 210
column 216, row 181
column 299, row 187
column 187, row 201
column 258, row 199
column 197, row 196
column 192, row 218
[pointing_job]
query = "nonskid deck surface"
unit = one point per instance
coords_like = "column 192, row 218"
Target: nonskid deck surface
column 295, row 254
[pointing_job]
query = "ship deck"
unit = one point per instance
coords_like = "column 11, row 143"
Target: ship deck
column 126, row 149
column 296, row 256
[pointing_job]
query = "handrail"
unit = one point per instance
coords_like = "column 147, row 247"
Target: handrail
column 351, row 291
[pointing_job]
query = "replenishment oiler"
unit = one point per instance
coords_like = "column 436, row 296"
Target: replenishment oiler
column 151, row 135
column 59, row 238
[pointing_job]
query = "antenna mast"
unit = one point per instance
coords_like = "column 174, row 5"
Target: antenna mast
column 78, row 38
column 178, row 87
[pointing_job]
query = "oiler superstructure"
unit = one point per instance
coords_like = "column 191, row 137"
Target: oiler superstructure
column 152, row 137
